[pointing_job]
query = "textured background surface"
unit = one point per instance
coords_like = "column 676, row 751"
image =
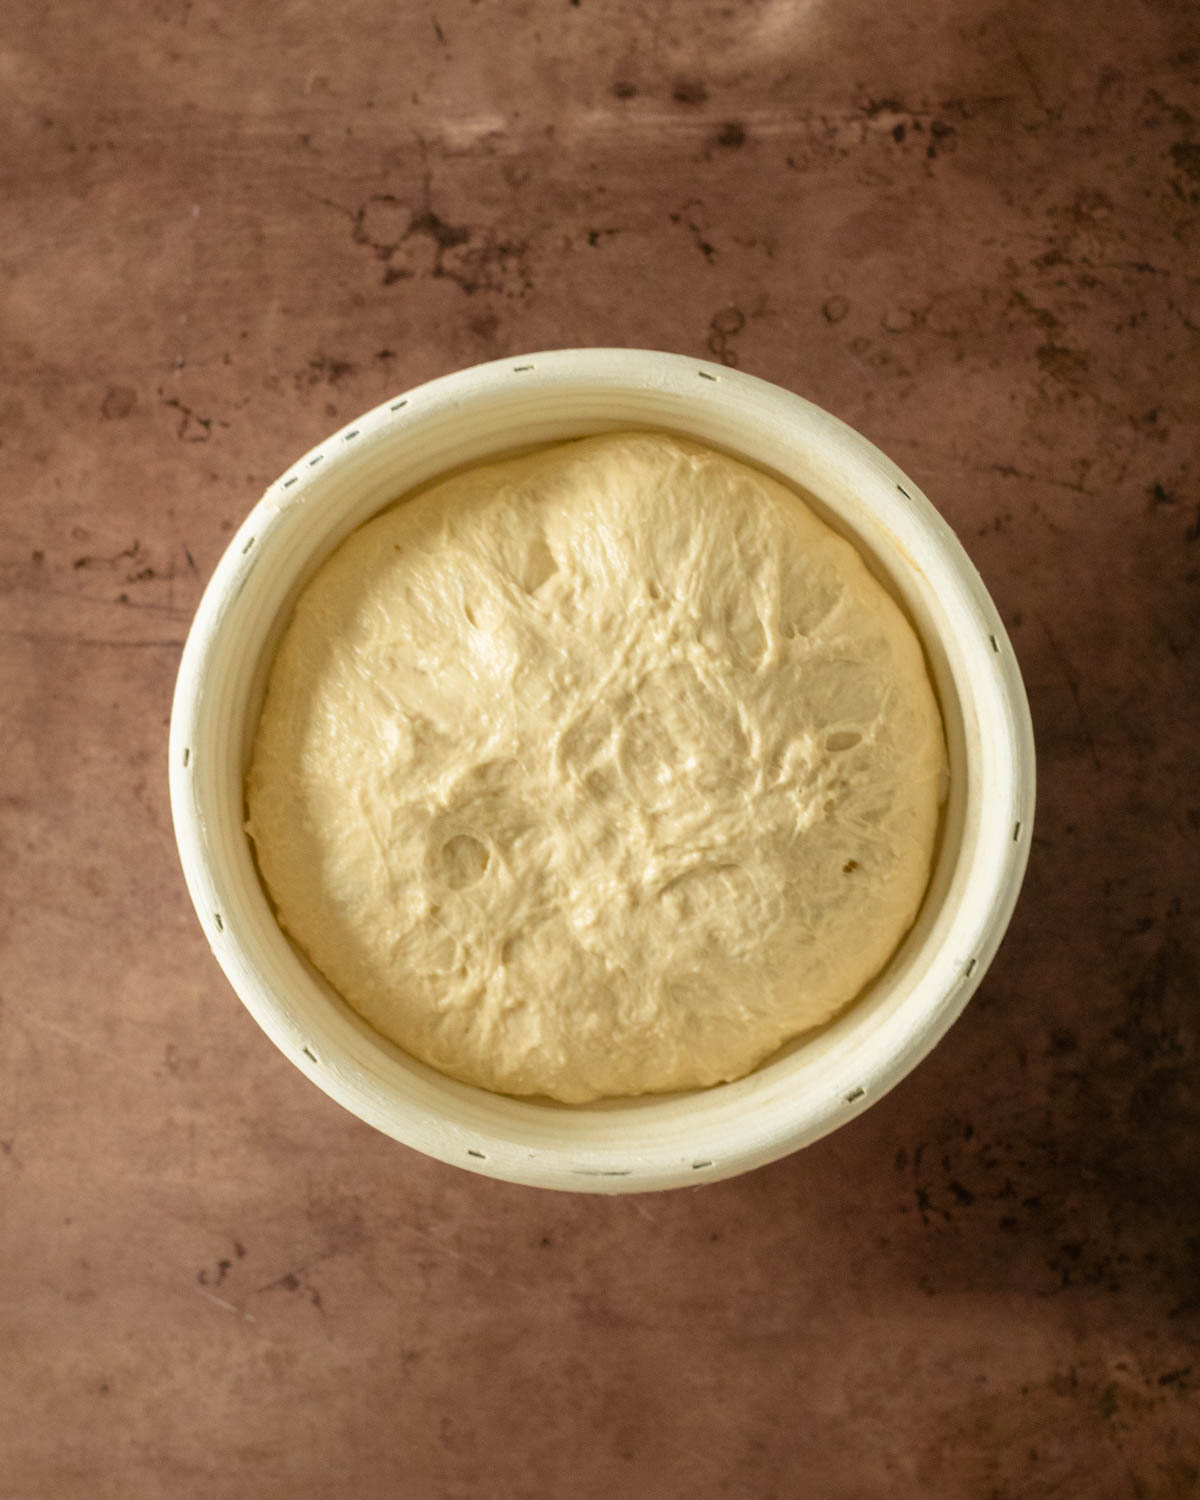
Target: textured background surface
column 971, row 231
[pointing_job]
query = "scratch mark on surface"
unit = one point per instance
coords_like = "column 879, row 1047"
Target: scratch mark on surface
column 122, row 602
column 39, row 637
column 1030, row 76
column 1007, row 471
column 969, row 467
column 228, row 1306
column 1073, row 684
column 40, row 1023
column 479, row 1267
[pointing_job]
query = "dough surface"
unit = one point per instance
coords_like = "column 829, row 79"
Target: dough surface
column 598, row 772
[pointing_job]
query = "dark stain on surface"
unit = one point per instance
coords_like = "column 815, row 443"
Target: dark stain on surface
column 444, row 236
column 944, row 139
column 1067, row 366
column 1041, row 317
column 485, row 326
column 1062, row 1042
column 475, row 260
column 873, row 108
column 133, row 560
column 173, row 1060
column 324, row 369
column 416, row 241
column 338, row 1221
column 119, row 401
column 731, row 135
column 214, row 1276
column 1186, row 156
column 294, row 1281
column 699, row 235
column 190, row 427
column 689, row 91
column 725, row 325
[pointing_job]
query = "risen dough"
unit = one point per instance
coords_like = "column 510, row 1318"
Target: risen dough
column 598, row 772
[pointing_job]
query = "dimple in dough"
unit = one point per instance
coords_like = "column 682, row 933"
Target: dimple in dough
column 598, row 772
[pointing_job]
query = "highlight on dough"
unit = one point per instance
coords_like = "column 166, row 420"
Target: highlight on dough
column 601, row 771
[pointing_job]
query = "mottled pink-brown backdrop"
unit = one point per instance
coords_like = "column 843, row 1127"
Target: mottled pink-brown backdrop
column 969, row 229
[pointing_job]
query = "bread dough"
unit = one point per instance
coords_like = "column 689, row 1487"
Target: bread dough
column 602, row 771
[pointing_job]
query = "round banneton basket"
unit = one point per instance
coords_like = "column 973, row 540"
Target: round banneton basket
column 653, row 1142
